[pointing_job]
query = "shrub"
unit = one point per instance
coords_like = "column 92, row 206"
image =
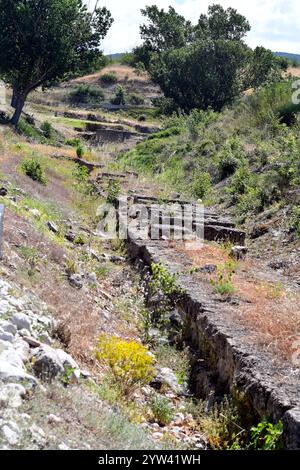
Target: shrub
column 28, row 130
column 80, row 151
column 161, row 409
column 113, row 192
column 136, row 99
column 86, row 94
column 129, row 362
column 109, row 78
column 202, row 185
column 142, row 118
column 73, row 142
column 33, row 169
column 240, row 183
column 48, row 130
column 228, row 165
column 120, row 97
column 296, row 220
column 223, row 283
column 267, row 436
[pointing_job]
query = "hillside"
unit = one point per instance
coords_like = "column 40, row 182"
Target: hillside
column 55, row 262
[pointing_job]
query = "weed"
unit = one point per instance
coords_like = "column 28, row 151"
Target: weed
column 34, row 169
column 161, row 409
column 266, row 436
column 223, row 283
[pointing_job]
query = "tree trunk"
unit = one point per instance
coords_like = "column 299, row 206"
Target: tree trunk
column 14, row 99
column 19, row 105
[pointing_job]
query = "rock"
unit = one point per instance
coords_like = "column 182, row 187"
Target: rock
column 207, row 269
column 32, row 342
column 76, row 281
column 21, row 321
column 47, row 365
column 166, row 378
column 92, row 278
column 35, row 212
column 21, row 348
column 52, row 419
column 10, row 434
column 8, row 327
column 63, row 446
column 24, row 332
column 11, row 395
column 50, row 363
column 45, row 339
column 291, row 423
column 116, row 259
column 52, row 227
column 239, row 252
column 4, row 336
column 37, row 435
column 70, row 236
column 258, row 231
column 3, row 191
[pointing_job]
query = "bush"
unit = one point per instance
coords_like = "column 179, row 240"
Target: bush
column 162, row 410
column 136, row 99
column 48, row 130
column 120, row 97
column 129, row 362
column 73, row 142
column 267, row 436
column 113, row 192
column 86, row 94
column 223, row 283
column 80, row 151
column 202, row 185
column 109, row 78
column 33, row 169
column 228, row 165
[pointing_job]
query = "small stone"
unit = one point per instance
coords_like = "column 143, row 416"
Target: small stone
column 33, row 343
column 3, row 191
column 45, row 338
column 91, row 278
column 52, row 419
column 36, row 213
column 76, row 281
column 70, row 236
column 239, row 252
column 52, row 227
column 63, row 446
column 11, row 395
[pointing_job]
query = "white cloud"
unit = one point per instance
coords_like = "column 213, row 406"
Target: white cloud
column 275, row 23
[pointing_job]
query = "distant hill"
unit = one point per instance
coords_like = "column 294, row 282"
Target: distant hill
column 287, row 55
column 116, row 56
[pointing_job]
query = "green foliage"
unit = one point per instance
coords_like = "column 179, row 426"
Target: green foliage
column 162, row 280
column 48, row 130
column 220, row 424
column 44, row 42
column 223, row 284
column 113, row 192
column 129, row 362
column 28, row 130
column 73, row 142
column 204, row 65
column 80, row 151
column 80, row 173
column 87, row 94
column 109, row 78
column 267, row 436
column 33, row 168
column 120, row 97
column 136, row 99
column 202, row 185
column 161, row 409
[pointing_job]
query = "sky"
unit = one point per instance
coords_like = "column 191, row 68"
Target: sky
column 275, row 23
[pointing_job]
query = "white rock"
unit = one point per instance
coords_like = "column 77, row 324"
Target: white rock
column 22, row 349
column 5, row 336
column 11, row 395
column 8, row 327
column 10, row 435
column 11, row 373
column 52, row 419
column 63, row 446
column 36, row 213
column 21, row 321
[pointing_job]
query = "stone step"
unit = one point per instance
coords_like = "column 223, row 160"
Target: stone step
column 218, row 233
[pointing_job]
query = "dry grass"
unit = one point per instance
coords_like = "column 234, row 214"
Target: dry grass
column 122, row 72
column 269, row 309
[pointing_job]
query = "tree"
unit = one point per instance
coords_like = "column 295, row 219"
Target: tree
column 222, row 24
column 45, row 41
column 205, row 74
column 262, row 67
column 165, row 30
